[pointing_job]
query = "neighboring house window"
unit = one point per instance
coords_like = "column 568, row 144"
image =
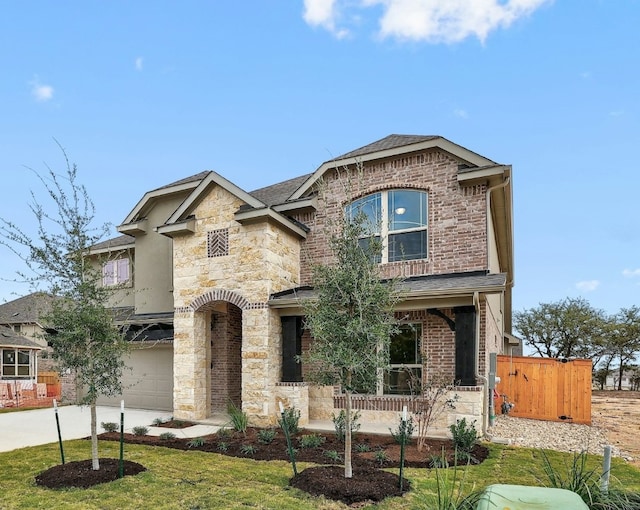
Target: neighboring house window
column 218, row 243
column 17, row 328
column 399, row 219
column 115, row 272
column 16, row 363
column 405, row 374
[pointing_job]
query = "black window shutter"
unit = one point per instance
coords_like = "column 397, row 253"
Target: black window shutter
column 291, row 347
column 465, row 345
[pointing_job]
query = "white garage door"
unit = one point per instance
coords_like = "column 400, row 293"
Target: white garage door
column 149, row 385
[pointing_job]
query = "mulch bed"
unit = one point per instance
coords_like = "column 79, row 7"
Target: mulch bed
column 176, row 424
column 80, row 474
column 369, row 482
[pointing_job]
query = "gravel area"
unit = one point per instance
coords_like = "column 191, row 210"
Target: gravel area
column 564, row 437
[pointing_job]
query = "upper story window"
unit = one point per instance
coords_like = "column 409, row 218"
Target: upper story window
column 115, row 272
column 399, row 219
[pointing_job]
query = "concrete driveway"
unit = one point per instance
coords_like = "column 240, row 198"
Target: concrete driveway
column 38, row 426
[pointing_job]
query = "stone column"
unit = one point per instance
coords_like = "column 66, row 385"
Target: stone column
column 191, row 361
column 261, row 364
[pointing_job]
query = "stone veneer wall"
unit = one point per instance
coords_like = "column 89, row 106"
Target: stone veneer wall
column 262, row 259
column 457, row 239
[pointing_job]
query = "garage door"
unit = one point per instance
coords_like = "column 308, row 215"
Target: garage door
column 149, row 385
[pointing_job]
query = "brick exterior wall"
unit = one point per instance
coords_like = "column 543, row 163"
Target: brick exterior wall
column 226, row 358
column 457, row 239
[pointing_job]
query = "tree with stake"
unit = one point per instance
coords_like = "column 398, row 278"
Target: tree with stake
column 84, row 337
column 351, row 320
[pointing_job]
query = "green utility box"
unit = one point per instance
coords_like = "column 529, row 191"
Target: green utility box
column 523, row 497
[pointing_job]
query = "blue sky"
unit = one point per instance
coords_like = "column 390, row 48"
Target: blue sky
column 144, row 93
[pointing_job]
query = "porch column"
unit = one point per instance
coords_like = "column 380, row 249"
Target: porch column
column 261, row 364
column 191, row 362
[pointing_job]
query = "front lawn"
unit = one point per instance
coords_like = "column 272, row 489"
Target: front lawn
column 197, row 480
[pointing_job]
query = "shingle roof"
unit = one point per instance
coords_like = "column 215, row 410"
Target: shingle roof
column 27, row 309
column 420, row 285
column 192, row 178
column 10, row 339
column 280, row 192
column 388, row 142
column 115, row 242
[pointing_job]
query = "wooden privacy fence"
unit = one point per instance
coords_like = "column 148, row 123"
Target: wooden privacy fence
column 553, row 389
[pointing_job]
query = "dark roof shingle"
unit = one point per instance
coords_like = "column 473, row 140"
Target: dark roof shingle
column 26, row 309
column 388, row 142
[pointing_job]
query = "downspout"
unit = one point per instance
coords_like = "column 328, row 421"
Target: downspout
column 488, row 399
column 485, row 381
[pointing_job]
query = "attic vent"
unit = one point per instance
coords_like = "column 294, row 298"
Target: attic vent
column 218, row 243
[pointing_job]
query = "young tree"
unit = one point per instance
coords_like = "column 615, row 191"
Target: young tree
column 82, row 331
column 351, row 320
column 565, row 329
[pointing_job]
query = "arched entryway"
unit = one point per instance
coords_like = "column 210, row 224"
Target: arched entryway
column 225, row 343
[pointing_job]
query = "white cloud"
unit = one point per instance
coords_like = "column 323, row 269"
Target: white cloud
column 631, row 273
column 434, row 21
column 459, row 112
column 40, row 91
column 323, row 13
column 139, row 64
column 587, row 285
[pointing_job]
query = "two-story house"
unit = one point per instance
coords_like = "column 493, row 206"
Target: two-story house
column 218, row 275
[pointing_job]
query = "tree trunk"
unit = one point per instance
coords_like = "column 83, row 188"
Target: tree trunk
column 348, row 471
column 95, row 465
column 621, row 371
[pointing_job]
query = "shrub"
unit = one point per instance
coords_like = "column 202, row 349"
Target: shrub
column 404, row 427
column 339, row 422
column 464, row 438
column 290, row 420
column 363, row 447
column 239, row 419
column 157, row 422
column 311, row 441
column 166, row 436
column 266, row 436
column 248, row 449
column 196, row 442
column 223, row 446
column 140, row 430
column 333, row 455
column 438, row 461
column 381, row 457
column 109, row 426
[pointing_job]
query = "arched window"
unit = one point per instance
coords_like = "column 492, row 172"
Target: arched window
column 399, row 219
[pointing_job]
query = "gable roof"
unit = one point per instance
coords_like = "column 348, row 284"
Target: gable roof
column 27, row 309
column 8, row 338
column 121, row 242
column 392, row 146
column 388, row 142
column 277, row 194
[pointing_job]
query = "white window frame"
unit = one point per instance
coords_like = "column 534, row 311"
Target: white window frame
column 116, row 272
column 16, row 365
column 382, row 229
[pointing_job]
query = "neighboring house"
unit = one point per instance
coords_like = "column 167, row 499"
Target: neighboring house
column 629, row 378
column 21, row 335
column 217, row 275
column 23, row 317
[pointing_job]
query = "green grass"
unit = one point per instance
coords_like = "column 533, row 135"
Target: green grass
column 196, row 480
